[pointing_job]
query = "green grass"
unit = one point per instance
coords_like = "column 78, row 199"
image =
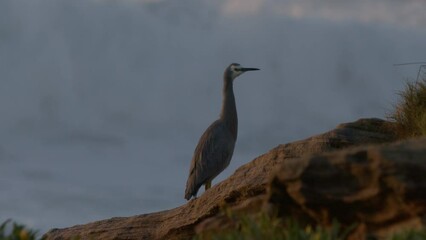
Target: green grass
column 263, row 226
column 410, row 112
column 410, row 235
column 13, row 231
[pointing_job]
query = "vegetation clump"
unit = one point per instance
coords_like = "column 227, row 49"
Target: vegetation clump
column 13, row 231
column 410, row 112
column 410, row 235
column 263, row 226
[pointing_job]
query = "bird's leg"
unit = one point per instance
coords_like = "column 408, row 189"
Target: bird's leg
column 208, row 185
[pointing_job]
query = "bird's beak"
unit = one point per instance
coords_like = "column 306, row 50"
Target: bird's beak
column 249, row 69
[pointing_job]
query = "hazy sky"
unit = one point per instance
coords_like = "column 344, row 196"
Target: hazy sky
column 117, row 58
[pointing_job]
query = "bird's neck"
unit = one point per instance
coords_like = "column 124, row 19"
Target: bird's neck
column 229, row 110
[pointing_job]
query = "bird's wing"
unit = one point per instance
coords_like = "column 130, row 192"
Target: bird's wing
column 211, row 156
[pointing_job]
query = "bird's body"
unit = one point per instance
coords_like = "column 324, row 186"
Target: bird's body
column 216, row 146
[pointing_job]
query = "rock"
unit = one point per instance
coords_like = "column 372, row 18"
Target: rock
column 382, row 188
column 247, row 182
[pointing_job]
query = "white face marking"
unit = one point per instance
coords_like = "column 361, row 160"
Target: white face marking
column 236, row 71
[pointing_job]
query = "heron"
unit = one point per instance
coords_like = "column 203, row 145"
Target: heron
column 216, row 146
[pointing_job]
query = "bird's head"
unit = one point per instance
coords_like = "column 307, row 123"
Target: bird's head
column 234, row 70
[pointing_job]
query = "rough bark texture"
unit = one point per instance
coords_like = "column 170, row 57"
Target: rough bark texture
column 247, row 187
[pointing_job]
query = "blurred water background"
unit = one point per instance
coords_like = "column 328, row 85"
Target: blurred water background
column 102, row 102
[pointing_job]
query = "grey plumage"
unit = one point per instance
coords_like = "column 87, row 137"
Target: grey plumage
column 216, row 146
